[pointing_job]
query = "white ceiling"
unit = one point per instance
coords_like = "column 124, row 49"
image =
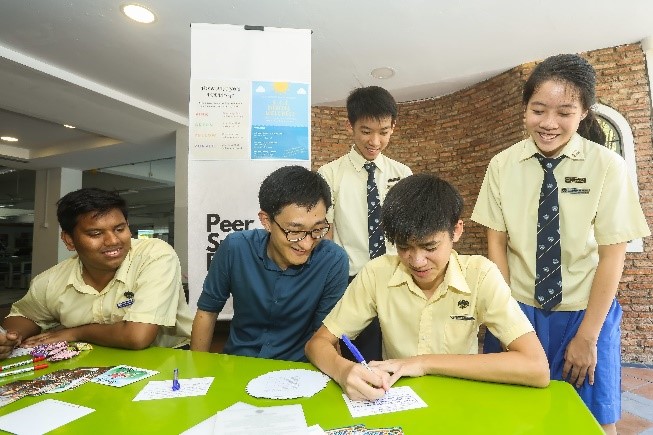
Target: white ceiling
column 125, row 86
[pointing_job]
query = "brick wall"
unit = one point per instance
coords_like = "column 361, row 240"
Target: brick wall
column 456, row 135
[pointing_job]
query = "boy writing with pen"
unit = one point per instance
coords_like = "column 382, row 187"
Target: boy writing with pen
column 430, row 302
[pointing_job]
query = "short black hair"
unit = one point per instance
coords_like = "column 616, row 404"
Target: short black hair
column 419, row 206
column 371, row 102
column 292, row 185
column 90, row 199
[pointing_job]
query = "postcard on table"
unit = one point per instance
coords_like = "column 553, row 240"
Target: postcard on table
column 122, row 375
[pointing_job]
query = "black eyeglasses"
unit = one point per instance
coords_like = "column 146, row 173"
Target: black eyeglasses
column 297, row 236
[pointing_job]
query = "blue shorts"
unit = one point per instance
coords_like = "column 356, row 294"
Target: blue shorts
column 555, row 329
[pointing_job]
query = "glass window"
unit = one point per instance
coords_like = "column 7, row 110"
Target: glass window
column 619, row 138
column 612, row 136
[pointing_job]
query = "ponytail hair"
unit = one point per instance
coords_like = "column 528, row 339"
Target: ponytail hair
column 590, row 128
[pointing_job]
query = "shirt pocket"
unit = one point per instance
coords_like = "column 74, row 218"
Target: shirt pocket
column 461, row 336
column 120, row 307
column 117, row 315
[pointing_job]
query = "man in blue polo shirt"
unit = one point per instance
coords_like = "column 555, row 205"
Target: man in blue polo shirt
column 284, row 279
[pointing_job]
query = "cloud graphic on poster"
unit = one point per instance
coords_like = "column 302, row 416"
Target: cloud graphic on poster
column 260, row 89
column 301, row 91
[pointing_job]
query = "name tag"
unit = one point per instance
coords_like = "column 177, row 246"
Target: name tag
column 124, row 304
column 574, row 191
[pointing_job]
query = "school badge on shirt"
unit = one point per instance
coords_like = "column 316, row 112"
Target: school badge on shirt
column 462, row 304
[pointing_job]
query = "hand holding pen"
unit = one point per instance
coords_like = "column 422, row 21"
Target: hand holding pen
column 354, row 350
column 356, row 386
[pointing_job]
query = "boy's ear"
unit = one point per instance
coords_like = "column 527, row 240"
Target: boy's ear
column 458, row 230
column 68, row 241
column 265, row 220
column 350, row 128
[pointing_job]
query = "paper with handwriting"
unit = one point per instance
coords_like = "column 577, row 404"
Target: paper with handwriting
column 163, row 389
column 395, row 399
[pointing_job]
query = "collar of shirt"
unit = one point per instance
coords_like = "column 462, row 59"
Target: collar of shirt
column 575, row 149
column 76, row 279
column 358, row 161
column 121, row 273
column 263, row 238
column 453, row 278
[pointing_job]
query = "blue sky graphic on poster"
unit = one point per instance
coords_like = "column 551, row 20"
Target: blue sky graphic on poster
column 280, row 120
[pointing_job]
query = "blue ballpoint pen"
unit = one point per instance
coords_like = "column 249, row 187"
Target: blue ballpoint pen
column 175, row 380
column 355, row 352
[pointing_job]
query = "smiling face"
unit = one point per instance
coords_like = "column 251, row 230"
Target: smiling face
column 552, row 116
column 293, row 218
column 371, row 136
column 102, row 242
column 427, row 259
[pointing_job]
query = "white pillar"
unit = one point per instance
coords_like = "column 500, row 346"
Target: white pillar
column 181, row 200
column 51, row 184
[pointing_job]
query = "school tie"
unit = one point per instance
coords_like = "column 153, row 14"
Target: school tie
column 548, row 275
column 375, row 233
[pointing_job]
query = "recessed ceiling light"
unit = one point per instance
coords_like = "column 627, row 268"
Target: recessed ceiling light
column 138, row 13
column 8, row 139
column 382, row 73
column 69, row 126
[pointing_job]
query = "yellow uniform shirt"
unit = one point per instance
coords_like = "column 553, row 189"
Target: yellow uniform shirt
column 598, row 206
column 348, row 182
column 473, row 293
column 151, row 271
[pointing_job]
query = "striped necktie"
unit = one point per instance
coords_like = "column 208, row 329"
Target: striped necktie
column 548, row 275
column 375, row 233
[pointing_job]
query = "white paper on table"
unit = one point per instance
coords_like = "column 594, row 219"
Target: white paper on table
column 268, row 420
column 312, row 430
column 163, row 389
column 206, row 427
column 287, row 384
column 42, row 417
column 395, row 399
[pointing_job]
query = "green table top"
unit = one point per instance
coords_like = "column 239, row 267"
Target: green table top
column 454, row 405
